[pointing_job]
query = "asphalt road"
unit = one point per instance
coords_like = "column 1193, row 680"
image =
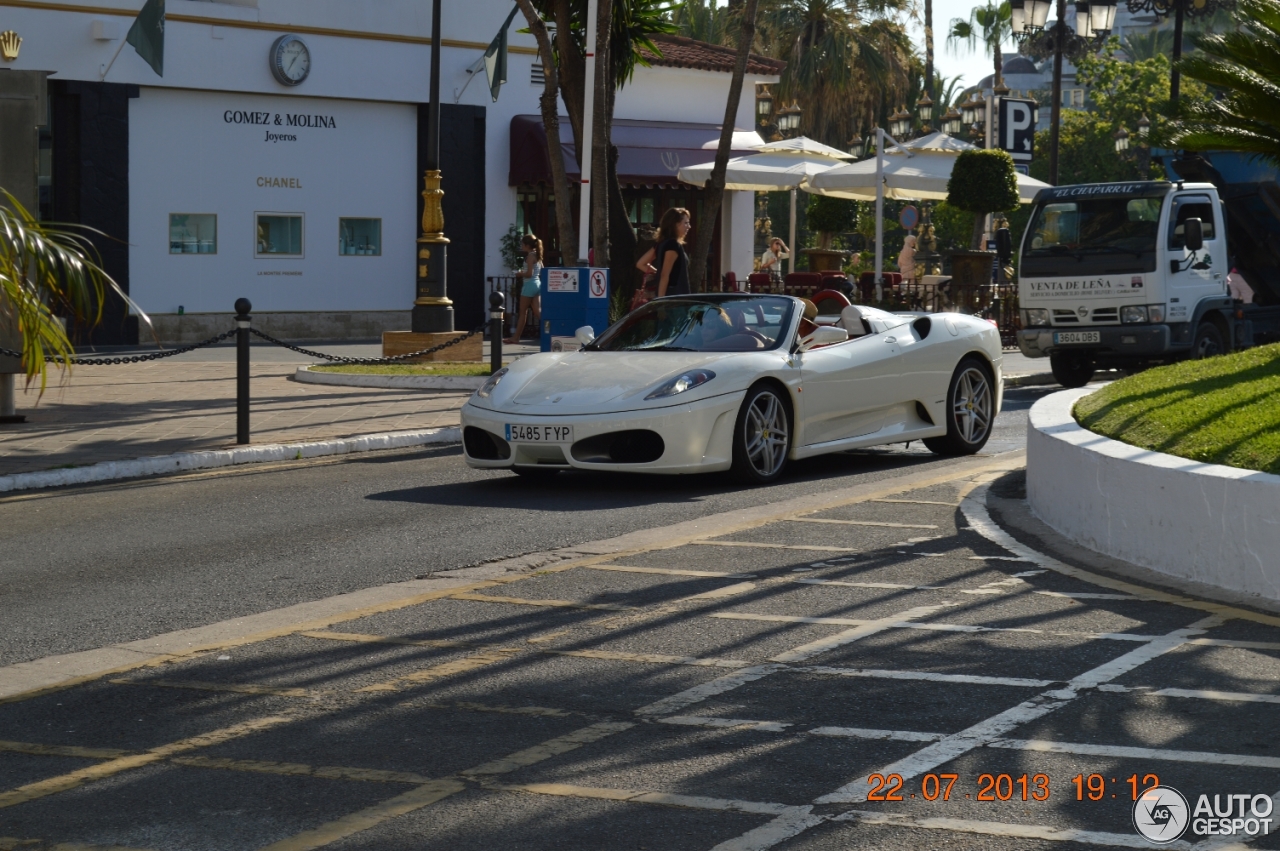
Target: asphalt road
column 860, row 657
column 100, row 565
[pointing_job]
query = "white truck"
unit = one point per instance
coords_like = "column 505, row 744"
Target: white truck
column 1135, row 274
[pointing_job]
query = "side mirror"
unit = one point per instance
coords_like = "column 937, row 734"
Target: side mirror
column 824, row 335
column 1004, row 246
column 585, row 335
column 1193, row 234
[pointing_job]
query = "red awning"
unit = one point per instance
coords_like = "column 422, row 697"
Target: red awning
column 649, row 152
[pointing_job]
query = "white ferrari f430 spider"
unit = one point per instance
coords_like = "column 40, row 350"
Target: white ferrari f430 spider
column 690, row 384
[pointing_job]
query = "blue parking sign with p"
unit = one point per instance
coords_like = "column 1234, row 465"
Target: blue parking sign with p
column 1017, row 128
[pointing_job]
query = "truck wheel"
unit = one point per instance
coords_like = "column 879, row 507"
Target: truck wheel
column 971, row 410
column 1208, row 341
column 1071, row 369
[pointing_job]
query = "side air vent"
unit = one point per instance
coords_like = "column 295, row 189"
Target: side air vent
column 923, row 413
column 484, row 446
column 635, row 446
column 922, row 326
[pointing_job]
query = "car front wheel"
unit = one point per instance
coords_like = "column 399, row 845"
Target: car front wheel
column 762, row 436
column 971, row 410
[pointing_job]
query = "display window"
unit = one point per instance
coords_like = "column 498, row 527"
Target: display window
column 278, row 235
column 193, row 233
column 360, row 237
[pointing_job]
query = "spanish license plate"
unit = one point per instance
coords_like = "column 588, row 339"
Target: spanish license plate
column 517, row 433
column 1068, row 337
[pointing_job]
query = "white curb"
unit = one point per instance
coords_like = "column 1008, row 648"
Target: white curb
column 185, row 461
column 1202, row 522
column 395, row 382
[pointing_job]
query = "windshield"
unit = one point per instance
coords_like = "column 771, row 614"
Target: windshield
column 1096, row 236
column 690, row 324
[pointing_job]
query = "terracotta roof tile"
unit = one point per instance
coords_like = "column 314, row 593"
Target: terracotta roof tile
column 681, row 52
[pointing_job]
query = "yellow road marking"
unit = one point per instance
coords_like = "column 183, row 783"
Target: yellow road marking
column 762, row 545
column 326, row 834
column 300, row 770
column 9, row 843
column 555, row 604
column 671, row 571
column 448, row 669
column 917, row 501
column 717, row 593
column 552, row 747
column 651, row 658
column 545, row 711
column 862, row 523
column 74, row 779
column 698, row 802
column 62, row 750
column 234, row 688
column 383, row 639
column 745, row 616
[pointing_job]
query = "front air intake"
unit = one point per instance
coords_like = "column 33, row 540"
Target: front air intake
column 483, row 446
column 634, row 446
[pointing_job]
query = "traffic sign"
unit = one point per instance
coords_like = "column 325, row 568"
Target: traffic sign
column 599, row 284
column 1017, row 129
column 908, row 217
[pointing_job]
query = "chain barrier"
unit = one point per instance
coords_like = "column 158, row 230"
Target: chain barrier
column 336, row 359
column 101, row 361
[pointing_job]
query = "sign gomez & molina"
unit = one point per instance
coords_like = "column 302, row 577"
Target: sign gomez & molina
column 277, row 119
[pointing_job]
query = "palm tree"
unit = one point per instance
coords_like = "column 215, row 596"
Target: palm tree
column 987, row 24
column 1245, row 66
column 844, row 69
column 951, row 87
column 702, row 20
column 47, row 270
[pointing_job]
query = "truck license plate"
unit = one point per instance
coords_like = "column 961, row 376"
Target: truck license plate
column 1068, row 337
column 539, row 433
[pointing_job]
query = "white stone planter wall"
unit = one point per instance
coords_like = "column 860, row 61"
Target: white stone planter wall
column 1202, row 522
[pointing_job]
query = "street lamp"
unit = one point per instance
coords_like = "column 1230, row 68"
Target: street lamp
column 952, row 122
column 789, row 120
column 1092, row 26
column 1179, row 9
column 856, row 147
column 924, row 107
column 1144, row 127
column 900, row 124
column 764, row 104
column 432, row 309
column 1122, row 140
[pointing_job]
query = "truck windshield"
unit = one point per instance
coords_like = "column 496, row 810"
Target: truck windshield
column 1095, row 236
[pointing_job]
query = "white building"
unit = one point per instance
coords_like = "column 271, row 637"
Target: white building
column 219, row 180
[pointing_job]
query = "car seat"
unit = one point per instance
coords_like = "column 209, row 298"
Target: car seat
column 851, row 320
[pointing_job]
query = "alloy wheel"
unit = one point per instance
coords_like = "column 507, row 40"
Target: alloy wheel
column 767, row 434
column 973, row 405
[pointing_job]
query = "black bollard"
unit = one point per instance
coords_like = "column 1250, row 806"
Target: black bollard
column 495, row 331
column 242, row 369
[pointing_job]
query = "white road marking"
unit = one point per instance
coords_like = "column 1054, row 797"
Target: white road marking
column 1007, row 558
column 726, row 723
column 863, row 733
column 699, row 693
column 932, row 626
column 997, row 725
column 824, row 645
column 863, row 523
column 766, row 546
column 968, row 679
column 669, row 571
column 996, row 828
column 1087, row 596
column 1125, row 752
column 796, row 821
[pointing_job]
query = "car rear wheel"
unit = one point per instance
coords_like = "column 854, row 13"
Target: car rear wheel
column 762, row 436
column 1071, row 369
column 971, row 410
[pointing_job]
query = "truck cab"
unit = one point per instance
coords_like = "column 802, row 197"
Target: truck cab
column 1125, row 275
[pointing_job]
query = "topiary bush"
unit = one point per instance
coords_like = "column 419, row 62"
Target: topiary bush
column 829, row 216
column 983, row 182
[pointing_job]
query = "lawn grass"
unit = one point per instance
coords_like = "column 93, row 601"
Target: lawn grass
column 442, row 368
column 1221, row 410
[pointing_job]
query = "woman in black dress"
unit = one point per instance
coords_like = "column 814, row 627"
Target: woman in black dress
column 670, row 254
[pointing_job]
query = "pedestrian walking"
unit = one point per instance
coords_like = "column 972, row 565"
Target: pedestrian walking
column 530, row 292
column 673, row 279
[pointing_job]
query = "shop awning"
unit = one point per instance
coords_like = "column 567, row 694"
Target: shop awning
column 649, row 152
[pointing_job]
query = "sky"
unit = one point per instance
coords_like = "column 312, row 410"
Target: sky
column 973, row 64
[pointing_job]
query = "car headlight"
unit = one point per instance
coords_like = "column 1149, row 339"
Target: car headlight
column 685, row 381
column 1035, row 316
column 1133, row 314
column 485, row 391
column 1156, row 312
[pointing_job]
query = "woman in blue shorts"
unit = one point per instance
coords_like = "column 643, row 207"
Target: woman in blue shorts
column 530, row 294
